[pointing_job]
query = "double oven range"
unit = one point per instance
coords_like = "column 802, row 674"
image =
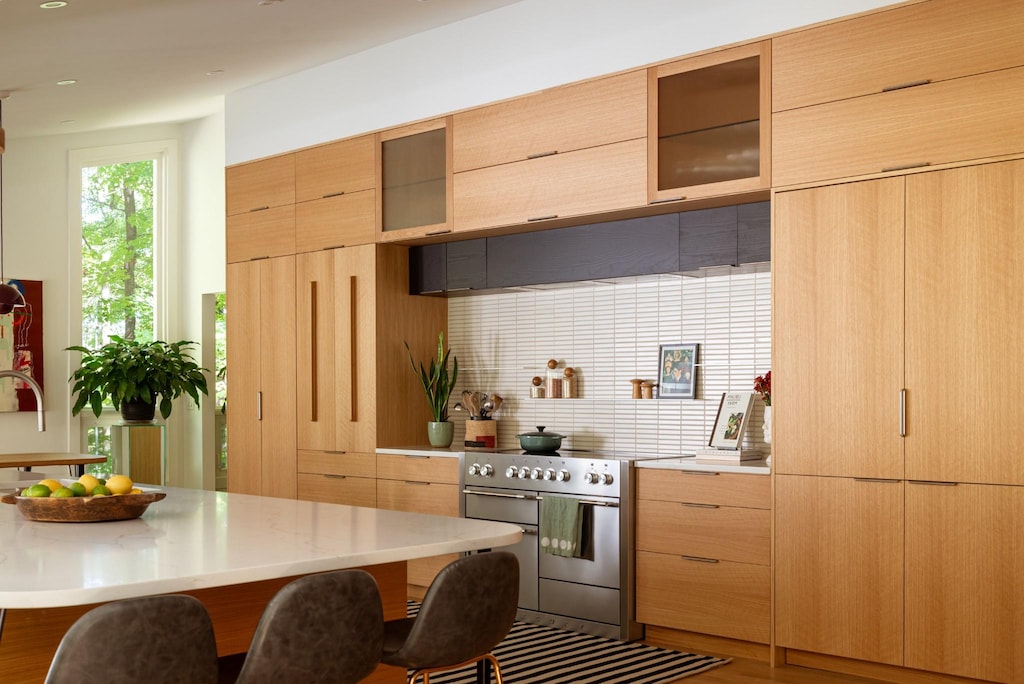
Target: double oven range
column 593, row 593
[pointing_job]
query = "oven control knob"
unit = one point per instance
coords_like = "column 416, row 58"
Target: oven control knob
column 537, row 474
column 524, row 473
column 474, row 469
column 549, row 474
column 511, row 472
column 606, row 478
column 590, row 478
column 486, row 470
column 562, row 476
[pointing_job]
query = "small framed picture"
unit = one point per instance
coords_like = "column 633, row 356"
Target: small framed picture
column 677, row 371
column 731, row 423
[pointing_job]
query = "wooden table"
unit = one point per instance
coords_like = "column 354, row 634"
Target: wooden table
column 232, row 551
column 29, row 461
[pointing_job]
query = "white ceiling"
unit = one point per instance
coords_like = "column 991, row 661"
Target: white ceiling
column 149, row 61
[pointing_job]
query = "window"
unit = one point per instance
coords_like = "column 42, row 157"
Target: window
column 120, row 221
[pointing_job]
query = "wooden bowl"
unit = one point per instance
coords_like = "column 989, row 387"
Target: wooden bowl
column 85, row 508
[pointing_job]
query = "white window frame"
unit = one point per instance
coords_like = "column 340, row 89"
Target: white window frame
column 166, row 200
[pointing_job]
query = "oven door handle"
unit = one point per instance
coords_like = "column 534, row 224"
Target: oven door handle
column 591, row 502
column 525, row 497
column 526, row 531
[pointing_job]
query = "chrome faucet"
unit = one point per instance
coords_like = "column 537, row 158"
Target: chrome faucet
column 36, row 389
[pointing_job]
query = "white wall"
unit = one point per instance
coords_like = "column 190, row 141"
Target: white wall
column 521, row 48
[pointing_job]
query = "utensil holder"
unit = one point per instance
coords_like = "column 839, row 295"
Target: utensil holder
column 481, row 434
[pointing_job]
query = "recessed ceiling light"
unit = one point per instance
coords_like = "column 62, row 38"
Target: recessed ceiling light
column 215, row 72
column 268, row 2
column 67, row 81
column 53, row 5
column 67, row 121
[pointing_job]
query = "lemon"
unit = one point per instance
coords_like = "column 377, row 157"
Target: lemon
column 100, row 490
column 37, row 490
column 90, row 483
column 136, row 490
column 78, row 488
column 63, row 493
column 52, row 484
column 119, row 484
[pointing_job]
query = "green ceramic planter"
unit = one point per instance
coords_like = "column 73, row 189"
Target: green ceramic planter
column 440, row 434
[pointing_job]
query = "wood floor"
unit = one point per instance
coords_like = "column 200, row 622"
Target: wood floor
column 741, row 671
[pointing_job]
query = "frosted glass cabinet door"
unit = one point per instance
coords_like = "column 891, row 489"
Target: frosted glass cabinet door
column 415, row 180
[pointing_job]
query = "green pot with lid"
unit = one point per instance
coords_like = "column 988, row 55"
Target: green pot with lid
column 540, row 442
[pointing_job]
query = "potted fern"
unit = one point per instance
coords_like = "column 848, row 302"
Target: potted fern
column 136, row 376
column 438, row 387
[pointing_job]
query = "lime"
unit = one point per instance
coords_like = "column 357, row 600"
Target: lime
column 119, row 484
column 100, row 490
column 78, row 488
column 63, row 493
column 52, row 484
column 36, row 490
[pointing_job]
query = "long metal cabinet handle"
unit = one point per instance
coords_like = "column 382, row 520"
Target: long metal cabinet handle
column 909, row 84
column 314, row 337
column 903, row 413
column 353, row 349
column 699, row 559
column 698, row 505
column 501, row 495
column 259, row 406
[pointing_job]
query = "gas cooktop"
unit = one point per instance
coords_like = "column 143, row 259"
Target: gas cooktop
column 592, row 454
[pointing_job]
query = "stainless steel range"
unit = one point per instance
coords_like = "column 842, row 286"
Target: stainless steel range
column 593, row 593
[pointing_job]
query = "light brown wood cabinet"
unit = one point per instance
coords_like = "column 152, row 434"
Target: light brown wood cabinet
column 338, row 477
column 261, row 346
column 709, row 124
column 335, row 191
column 260, row 198
column 704, row 553
column 420, row 484
column 556, row 121
column 414, row 180
column 355, row 390
column 589, row 181
column 937, row 123
column 930, row 41
column 957, row 235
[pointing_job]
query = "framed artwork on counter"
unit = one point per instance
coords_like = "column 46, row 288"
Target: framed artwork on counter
column 677, row 371
column 732, row 419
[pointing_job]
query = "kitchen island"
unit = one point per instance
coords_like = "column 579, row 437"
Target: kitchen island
column 232, row 551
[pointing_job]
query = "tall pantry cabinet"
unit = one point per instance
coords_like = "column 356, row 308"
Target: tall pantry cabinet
column 897, row 490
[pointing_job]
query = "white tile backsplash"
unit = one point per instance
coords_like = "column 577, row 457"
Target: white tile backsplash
column 610, row 333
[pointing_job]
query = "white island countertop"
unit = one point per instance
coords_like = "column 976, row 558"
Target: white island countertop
column 196, row 539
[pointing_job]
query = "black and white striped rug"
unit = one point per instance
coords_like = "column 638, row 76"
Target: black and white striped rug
column 532, row 654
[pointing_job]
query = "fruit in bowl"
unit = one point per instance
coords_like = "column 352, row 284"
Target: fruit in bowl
column 90, row 499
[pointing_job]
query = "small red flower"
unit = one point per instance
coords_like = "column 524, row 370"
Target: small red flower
column 763, row 386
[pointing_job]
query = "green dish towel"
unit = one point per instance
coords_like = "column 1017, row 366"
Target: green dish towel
column 561, row 522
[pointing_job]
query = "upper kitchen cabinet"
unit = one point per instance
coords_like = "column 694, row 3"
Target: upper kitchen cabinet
column 562, row 152
column 414, row 173
column 556, row 121
column 894, row 49
column 709, row 121
column 335, row 195
column 260, row 199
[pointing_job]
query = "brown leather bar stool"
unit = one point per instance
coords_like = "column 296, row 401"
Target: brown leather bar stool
column 152, row 639
column 467, row 610
column 325, row 628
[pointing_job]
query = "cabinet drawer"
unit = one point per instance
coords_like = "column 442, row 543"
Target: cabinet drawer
column 261, row 184
column 340, row 221
column 936, row 41
column 345, row 166
column 725, row 599
column 258, row 234
column 339, row 489
column 723, row 489
column 734, row 534
column 418, row 468
column 336, row 463
column 570, row 118
column 418, row 497
column 967, row 118
column 587, row 181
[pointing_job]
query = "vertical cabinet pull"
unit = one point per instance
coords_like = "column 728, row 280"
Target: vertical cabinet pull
column 314, row 337
column 353, row 350
column 259, row 406
column 903, row 413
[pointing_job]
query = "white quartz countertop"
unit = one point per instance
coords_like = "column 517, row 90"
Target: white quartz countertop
column 422, row 451
column 753, row 467
column 195, row 539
